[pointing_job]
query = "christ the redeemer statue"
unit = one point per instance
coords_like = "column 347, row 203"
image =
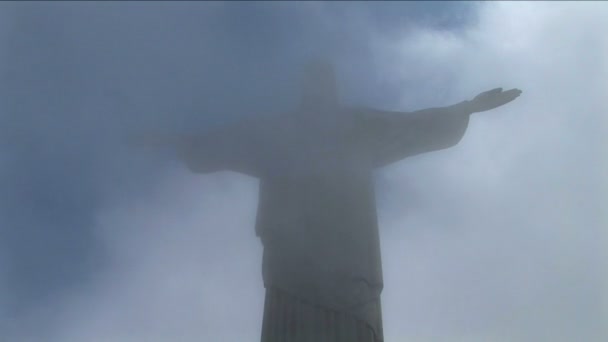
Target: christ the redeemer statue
column 317, row 216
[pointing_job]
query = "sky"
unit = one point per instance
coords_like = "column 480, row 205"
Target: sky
column 500, row 238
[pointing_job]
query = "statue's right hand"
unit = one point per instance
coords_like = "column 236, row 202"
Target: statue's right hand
column 492, row 98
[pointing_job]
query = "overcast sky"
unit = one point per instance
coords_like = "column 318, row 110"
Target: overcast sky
column 497, row 239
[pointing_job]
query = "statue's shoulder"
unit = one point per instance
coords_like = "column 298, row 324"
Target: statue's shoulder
column 267, row 128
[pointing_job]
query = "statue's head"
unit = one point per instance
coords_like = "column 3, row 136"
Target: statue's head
column 319, row 88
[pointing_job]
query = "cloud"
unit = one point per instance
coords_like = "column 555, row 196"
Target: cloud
column 496, row 239
column 507, row 243
column 168, row 279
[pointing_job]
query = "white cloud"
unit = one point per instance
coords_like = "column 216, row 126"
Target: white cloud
column 509, row 246
column 167, row 279
column 504, row 245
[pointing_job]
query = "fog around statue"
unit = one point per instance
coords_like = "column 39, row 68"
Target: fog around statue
column 316, row 213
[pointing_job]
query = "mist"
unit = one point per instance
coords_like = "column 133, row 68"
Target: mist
column 499, row 238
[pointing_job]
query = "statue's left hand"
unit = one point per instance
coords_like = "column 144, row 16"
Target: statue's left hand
column 492, row 98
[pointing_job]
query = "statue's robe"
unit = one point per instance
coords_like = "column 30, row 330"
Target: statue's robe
column 317, row 213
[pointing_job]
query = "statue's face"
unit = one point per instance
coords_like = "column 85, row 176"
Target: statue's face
column 319, row 86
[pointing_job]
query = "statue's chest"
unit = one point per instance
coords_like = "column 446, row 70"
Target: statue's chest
column 322, row 149
column 318, row 150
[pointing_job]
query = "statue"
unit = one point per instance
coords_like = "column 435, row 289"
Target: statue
column 316, row 216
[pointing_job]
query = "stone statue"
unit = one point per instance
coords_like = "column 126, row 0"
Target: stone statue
column 316, row 216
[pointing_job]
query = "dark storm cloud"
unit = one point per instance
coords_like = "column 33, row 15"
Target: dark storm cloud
column 77, row 77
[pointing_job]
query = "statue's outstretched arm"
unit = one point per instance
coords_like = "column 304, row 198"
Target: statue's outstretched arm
column 233, row 147
column 392, row 136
